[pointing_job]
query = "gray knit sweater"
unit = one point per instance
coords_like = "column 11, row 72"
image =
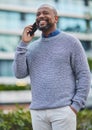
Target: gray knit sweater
column 58, row 71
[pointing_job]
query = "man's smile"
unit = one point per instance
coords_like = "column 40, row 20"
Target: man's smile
column 42, row 23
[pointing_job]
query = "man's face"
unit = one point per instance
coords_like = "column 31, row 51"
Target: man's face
column 45, row 18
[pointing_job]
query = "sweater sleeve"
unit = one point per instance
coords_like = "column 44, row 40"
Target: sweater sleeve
column 82, row 75
column 20, row 63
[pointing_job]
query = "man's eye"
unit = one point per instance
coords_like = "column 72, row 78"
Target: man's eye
column 44, row 13
column 38, row 14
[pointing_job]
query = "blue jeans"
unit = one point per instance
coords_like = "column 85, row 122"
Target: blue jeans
column 54, row 119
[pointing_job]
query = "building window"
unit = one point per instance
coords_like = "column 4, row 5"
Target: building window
column 86, row 45
column 6, row 68
column 15, row 20
column 8, row 43
column 9, row 20
column 91, row 25
column 72, row 24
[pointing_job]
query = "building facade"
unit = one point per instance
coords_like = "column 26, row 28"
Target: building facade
column 75, row 17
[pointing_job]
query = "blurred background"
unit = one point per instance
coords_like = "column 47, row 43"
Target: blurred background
column 75, row 17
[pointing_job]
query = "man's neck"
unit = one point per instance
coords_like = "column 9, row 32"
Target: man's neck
column 51, row 34
column 46, row 33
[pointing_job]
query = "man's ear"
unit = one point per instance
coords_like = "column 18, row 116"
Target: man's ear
column 56, row 18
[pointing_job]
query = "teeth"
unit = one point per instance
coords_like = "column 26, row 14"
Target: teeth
column 42, row 23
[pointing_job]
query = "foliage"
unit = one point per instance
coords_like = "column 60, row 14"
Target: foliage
column 84, row 121
column 17, row 120
column 90, row 63
column 21, row 120
column 13, row 87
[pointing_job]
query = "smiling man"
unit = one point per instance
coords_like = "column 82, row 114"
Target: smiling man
column 58, row 70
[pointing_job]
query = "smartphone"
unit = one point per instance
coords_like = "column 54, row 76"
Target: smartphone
column 33, row 29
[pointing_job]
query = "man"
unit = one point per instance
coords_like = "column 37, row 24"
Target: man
column 58, row 70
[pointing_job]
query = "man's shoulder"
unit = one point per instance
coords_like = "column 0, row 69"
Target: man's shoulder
column 71, row 38
column 69, row 35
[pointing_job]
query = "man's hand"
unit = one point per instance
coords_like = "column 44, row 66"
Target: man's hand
column 26, row 38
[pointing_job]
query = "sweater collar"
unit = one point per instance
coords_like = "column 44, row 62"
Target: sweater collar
column 54, row 33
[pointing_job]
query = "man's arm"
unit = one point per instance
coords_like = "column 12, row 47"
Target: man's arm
column 82, row 75
column 20, row 61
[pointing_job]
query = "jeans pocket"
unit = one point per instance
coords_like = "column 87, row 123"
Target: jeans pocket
column 72, row 110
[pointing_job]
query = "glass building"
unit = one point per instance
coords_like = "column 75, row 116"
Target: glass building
column 75, row 17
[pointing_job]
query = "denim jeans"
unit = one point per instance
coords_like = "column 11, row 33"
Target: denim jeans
column 54, row 119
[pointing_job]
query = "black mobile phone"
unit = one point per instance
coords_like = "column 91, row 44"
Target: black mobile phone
column 33, row 29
